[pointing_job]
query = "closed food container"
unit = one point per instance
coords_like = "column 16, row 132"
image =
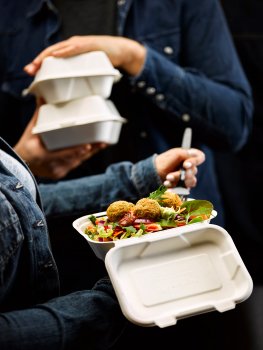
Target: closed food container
column 88, row 120
column 64, row 79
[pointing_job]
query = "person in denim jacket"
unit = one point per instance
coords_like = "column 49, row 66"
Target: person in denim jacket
column 32, row 314
column 242, row 219
column 240, row 196
column 189, row 76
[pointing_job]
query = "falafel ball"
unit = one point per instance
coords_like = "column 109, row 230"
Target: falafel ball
column 118, row 209
column 147, row 208
column 171, row 200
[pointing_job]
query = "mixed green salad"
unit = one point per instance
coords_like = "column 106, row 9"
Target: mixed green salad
column 162, row 210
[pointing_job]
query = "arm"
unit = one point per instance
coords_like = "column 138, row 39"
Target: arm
column 87, row 319
column 208, row 84
column 51, row 164
column 121, row 180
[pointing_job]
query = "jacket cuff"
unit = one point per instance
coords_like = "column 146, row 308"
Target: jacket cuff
column 145, row 176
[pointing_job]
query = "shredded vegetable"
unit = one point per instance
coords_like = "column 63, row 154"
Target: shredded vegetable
column 136, row 222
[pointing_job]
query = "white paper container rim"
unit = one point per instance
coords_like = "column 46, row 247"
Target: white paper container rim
column 85, row 74
column 56, row 125
column 101, row 248
column 78, row 225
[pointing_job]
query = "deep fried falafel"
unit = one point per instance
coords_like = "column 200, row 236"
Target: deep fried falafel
column 147, row 208
column 118, row 209
column 170, row 199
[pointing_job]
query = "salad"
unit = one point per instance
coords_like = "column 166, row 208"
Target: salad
column 162, row 210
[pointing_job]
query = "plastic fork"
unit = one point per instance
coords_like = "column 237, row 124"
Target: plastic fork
column 180, row 188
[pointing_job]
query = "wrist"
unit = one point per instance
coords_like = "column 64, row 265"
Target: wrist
column 23, row 154
column 134, row 58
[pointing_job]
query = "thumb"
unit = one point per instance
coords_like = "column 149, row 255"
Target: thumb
column 39, row 102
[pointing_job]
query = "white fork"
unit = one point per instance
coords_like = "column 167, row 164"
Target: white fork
column 180, row 188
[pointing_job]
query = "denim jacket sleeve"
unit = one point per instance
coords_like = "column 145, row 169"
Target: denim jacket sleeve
column 211, row 87
column 90, row 194
column 87, row 319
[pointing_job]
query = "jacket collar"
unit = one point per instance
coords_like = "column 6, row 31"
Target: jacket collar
column 36, row 6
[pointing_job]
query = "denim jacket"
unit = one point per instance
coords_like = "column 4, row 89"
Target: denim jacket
column 32, row 315
column 192, row 77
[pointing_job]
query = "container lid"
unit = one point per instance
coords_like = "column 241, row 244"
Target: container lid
column 87, row 110
column 177, row 273
column 89, row 64
column 73, row 122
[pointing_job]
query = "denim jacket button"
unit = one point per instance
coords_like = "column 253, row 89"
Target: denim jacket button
column 186, row 117
column 141, row 84
column 40, row 223
column 19, row 185
column 48, row 265
column 159, row 97
column 168, row 50
column 150, row 90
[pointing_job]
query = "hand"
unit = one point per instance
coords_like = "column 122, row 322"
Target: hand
column 168, row 165
column 51, row 164
column 124, row 53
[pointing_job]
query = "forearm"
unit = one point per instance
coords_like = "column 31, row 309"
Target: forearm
column 200, row 76
column 221, row 107
column 94, row 193
column 79, row 320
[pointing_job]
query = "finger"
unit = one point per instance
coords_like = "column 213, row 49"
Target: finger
column 49, row 50
column 58, row 171
column 34, row 66
column 71, row 153
column 190, row 181
column 73, row 157
column 61, row 167
column 86, row 151
column 195, row 156
column 190, row 177
column 172, row 179
column 31, row 68
column 190, row 172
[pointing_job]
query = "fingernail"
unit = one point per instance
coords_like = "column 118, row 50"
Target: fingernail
column 187, row 164
column 170, row 177
column 167, row 183
column 191, row 152
column 27, row 68
column 88, row 147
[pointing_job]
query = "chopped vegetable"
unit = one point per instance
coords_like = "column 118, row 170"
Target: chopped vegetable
column 138, row 220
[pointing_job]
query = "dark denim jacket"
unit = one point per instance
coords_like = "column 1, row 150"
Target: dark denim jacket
column 192, row 77
column 29, row 317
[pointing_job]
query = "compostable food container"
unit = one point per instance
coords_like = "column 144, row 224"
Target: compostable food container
column 168, row 275
column 87, row 120
column 63, row 79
